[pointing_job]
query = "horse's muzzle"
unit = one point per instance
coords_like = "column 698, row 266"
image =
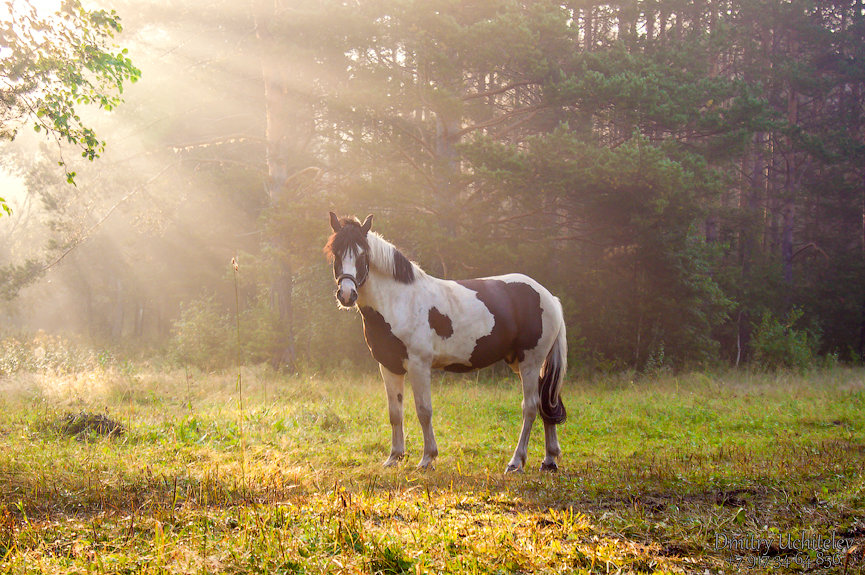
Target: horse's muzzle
column 346, row 292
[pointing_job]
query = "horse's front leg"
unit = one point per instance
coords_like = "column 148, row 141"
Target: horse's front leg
column 394, row 385
column 419, row 375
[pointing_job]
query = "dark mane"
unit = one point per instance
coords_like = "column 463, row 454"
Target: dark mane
column 403, row 270
column 349, row 236
column 383, row 255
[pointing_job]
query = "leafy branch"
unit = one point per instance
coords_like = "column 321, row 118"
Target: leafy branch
column 55, row 63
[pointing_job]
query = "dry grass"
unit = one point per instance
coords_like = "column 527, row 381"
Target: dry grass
column 657, row 475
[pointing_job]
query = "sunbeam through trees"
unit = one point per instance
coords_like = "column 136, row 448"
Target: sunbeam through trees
column 677, row 171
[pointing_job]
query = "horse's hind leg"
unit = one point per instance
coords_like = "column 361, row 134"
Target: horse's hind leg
column 394, row 385
column 552, row 448
column 529, row 376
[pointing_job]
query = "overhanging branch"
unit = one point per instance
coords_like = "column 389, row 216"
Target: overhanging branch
column 497, row 91
column 497, row 121
column 86, row 236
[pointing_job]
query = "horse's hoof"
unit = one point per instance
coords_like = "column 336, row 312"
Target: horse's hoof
column 551, row 467
column 428, row 466
column 393, row 461
column 513, row 469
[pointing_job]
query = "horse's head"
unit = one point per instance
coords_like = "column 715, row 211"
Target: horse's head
column 348, row 249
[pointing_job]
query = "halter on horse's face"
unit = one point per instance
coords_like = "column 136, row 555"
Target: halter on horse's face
column 350, row 273
column 349, row 249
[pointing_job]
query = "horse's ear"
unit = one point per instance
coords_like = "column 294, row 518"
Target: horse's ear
column 367, row 224
column 334, row 223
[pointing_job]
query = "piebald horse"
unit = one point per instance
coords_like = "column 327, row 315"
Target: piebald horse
column 414, row 322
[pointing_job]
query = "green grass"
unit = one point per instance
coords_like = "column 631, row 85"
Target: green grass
column 655, row 473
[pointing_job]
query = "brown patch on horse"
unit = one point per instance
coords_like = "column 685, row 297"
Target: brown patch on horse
column 386, row 348
column 518, row 316
column 440, row 323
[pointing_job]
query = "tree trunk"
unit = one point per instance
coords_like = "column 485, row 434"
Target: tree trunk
column 281, row 301
column 754, row 187
column 289, row 128
column 587, row 28
column 446, row 174
column 791, row 170
column 862, row 325
column 117, row 323
column 649, row 14
column 138, row 329
column 788, row 211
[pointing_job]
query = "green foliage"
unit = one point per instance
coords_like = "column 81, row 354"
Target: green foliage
column 779, row 344
column 604, row 157
column 204, row 335
column 326, row 337
column 262, row 334
column 646, row 280
column 615, row 149
column 14, row 277
column 54, row 64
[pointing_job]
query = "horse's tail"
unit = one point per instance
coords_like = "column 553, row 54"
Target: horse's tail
column 552, row 376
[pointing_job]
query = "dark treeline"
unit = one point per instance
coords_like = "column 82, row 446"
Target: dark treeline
column 688, row 176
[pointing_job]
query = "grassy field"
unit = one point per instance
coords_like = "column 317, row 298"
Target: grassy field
column 727, row 473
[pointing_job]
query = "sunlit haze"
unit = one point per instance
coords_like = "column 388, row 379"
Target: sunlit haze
column 676, row 187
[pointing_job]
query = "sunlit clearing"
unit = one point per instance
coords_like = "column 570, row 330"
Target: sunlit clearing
column 74, row 387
